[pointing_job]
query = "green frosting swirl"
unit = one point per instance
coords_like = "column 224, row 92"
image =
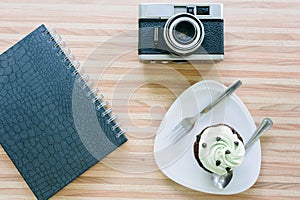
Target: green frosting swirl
column 220, row 150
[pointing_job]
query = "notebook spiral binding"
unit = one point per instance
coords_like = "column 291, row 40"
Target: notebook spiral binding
column 84, row 78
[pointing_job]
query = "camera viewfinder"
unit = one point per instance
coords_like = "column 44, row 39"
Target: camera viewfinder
column 202, row 10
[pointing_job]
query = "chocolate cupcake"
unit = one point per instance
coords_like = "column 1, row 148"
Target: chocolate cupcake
column 219, row 149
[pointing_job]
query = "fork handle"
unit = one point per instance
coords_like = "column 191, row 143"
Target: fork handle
column 227, row 92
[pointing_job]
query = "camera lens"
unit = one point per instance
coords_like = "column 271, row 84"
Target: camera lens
column 184, row 32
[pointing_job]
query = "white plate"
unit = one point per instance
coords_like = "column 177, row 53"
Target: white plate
column 177, row 160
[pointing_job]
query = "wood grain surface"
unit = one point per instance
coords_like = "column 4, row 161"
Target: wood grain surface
column 262, row 47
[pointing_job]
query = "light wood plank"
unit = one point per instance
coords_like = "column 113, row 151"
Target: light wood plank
column 262, row 49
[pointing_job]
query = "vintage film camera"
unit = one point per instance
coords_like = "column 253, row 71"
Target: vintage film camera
column 178, row 32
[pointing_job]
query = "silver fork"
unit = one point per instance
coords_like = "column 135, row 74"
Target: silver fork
column 187, row 124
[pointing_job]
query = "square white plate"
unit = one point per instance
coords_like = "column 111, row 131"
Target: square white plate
column 177, row 161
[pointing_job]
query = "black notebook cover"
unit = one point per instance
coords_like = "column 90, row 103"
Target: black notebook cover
column 52, row 126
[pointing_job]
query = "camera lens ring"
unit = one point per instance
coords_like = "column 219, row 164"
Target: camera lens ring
column 178, row 44
column 178, row 47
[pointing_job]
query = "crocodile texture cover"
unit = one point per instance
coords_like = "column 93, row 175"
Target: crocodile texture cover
column 49, row 125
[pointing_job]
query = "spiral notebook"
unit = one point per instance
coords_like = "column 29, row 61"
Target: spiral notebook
column 53, row 126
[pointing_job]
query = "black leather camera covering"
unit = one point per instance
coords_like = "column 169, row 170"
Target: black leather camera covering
column 213, row 42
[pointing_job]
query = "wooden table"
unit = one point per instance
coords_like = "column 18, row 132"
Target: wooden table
column 262, row 41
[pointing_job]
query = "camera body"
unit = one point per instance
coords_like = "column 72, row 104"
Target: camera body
column 170, row 32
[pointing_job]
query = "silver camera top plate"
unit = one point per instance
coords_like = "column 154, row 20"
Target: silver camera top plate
column 164, row 11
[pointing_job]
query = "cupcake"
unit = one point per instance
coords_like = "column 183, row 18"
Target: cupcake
column 219, row 149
